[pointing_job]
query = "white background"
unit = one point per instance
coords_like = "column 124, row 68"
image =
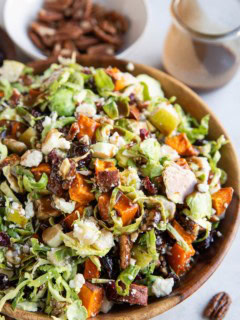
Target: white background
column 226, row 104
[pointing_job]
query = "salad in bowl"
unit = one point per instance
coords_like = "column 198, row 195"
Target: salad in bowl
column 108, row 190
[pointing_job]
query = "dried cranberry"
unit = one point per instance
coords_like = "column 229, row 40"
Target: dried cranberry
column 54, row 157
column 78, row 149
column 4, row 281
column 132, row 98
column 55, row 182
column 205, row 244
column 85, row 162
column 144, row 133
column 65, row 130
column 4, row 240
column 149, row 186
column 36, row 113
column 110, row 265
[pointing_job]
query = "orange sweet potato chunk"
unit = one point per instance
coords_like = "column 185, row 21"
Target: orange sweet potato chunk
column 90, row 270
column 42, row 168
column 178, row 258
column 80, row 191
column 181, row 144
column 221, row 199
column 87, row 126
column 126, row 209
column 92, row 298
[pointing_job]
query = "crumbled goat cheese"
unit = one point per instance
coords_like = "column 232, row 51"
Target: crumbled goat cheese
column 87, row 109
column 53, row 140
column 31, row 158
column 117, row 140
column 106, row 305
column 179, row 182
column 130, row 66
column 48, row 121
column 167, row 151
column 62, row 205
column 130, row 177
column 18, row 207
column 203, row 187
column 162, row 287
column 77, row 282
column 86, row 231
column 104, row 150
column 29, row 210
column 105, row 240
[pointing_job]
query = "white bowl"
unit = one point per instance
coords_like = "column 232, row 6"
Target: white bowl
column 18, row 16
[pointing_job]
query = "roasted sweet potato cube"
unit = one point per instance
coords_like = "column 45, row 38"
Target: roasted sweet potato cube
column 221, row 199
column 107, row 175
column 42, row 168
column 125, row 208
column 87, row 126
column 181, row 144
column 138, row 294
column 103, row 206
column 178, row 258
column 92, row 297
column 80, row 191
column 90, row 270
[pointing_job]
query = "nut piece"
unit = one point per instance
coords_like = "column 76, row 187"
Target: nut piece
column 52, row 236
column 49, row 16
column 45, row 210
column 218, row 306
column 125, row 251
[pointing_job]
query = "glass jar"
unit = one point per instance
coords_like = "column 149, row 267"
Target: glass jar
column 202, row 47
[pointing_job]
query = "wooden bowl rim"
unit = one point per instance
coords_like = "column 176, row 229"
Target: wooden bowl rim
column 161, row 305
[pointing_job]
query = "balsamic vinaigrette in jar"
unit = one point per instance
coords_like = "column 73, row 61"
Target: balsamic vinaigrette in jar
column 194, row 51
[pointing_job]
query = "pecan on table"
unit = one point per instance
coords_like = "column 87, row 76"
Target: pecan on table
column 218, row 306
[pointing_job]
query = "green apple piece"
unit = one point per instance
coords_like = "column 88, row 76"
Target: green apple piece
column 165, row 118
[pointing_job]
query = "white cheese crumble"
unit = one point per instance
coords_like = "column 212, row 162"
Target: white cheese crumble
column 87, row 109
column 54, row 140
column 117, row 140
column 62, row 205
column 48, row 121
column 31, row 158
column 29, row 210
column 77, row 282
column 18, row 207
column 106, row 305
column 162, row 287
column 130, row 66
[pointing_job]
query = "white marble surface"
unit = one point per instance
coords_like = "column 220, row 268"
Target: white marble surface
column 226, row 104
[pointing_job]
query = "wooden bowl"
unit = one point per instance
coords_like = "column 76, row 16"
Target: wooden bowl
column 7, row 46
column 211, row 259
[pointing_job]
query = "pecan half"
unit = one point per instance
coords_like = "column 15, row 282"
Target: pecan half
column 125, row 251
column 101, row 49
column 42, row 30
column 49, row 16
column 113, row 39
column 36, row 40
column 84, row 42
column 58, row 5
column 218, row 306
